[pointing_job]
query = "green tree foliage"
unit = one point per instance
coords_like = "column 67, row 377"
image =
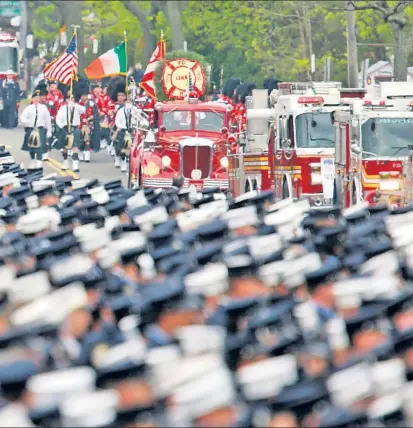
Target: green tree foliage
column 252, row 39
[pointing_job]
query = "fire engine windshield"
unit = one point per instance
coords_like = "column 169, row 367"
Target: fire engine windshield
column 315, row 130
column 387, row 136
column 208, row 121
column 8, row 59
column 177, row 120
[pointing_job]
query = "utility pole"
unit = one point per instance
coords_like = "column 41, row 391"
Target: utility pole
column 24, row 22
column 352, row 56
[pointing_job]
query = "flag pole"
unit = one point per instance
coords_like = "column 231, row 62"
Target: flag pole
column 126, row 57
column 75, row 27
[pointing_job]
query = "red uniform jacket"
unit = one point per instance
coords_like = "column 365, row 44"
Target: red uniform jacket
column 87, row 117
column 104, row 104
column 54, row 102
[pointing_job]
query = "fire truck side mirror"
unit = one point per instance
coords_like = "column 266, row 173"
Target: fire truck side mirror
column 162, row 128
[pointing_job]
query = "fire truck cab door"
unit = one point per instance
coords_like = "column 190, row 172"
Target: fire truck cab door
column 286, row 137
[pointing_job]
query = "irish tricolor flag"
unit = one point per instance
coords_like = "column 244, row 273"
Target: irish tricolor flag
column 111, row 63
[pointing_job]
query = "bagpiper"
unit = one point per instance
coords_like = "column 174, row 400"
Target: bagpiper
column 104, row 104
column 89, row 122
column 68, row 122
column 38, row 128
column 123, row 122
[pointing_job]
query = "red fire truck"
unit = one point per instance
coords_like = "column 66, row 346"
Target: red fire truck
column 373, row 149
column 298, row 160
column 190, row 141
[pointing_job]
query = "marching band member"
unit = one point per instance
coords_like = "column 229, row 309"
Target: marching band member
column 68, row 121
column 89, row 123
column 104, row 104
column 123, row 123
column 118, row 100
column 38, row 128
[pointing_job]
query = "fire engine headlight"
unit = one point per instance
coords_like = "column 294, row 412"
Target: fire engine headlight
column 224, row 162
column 316, row 178
column 389, row 185
column 166, row 161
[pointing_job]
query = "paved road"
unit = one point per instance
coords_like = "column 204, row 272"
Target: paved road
column 101, row 165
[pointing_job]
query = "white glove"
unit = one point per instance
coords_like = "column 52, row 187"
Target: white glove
column 91, row 103
column 49, row 135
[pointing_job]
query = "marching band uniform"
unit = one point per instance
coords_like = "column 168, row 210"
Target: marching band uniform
column 104, row 105
column 89, row 123
column 38, row 128
column 68, row 119
column 10, row 93
column 123, row 122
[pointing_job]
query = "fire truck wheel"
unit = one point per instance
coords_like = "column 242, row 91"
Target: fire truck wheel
column 286, row 192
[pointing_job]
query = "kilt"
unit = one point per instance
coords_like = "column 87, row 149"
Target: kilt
column 43, row 140
column 60, row 144
column 120, row 143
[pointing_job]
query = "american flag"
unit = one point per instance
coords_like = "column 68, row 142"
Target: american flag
column 64, row 68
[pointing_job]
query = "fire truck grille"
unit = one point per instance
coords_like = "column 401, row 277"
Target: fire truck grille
column 196, row 158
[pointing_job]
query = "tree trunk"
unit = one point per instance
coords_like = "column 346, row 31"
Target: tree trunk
column 352, row 56
column 401, row 52
column 147, row 26
column 72, row 15
column 173, row 14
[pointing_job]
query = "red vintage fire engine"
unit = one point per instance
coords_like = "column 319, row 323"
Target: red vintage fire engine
column 373, row 148
column 190, row 140
column 298, row 160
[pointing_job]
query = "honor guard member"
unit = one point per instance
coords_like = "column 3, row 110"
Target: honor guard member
column 89, row 122
column 68, row 122
column 10, row 93
column 118, row 99
column 38, row 128
column 123, row 122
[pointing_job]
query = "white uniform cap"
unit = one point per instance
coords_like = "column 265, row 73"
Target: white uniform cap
column 272, row 274
column 15, row 415
column 265, row 379
column 337, row 334
column 29, row 287
column 151, row 218
column 97, row 239
column 38, row 220
column 92, row 409
column 348, row 386
column 132, row 350
column 295, row 276
column 128, row 241
column 163, row 361
column 389, row 376
column 136, row 201
column 128, row 325
column 52, row 308
column 7, row 276
column 191, row 219
column 77, row 184
column 385, row 287
column 191, row 368
column 245, row 196
column 39, row 185
column 32, row 202
column 206, row 394
column 404, row 241
column 6, row 179
column 84, row 230
column 107, row 258
column 216, row 207
column 384, row 406
column 348, row 293
column 386, row 263
column 262, row 246
column 307, row 315
column 199, row 339
column 99, row 195
column 78, row 264
column 280, row 205
column 112, row 222
column 241, row 217
column 49, row 389
column 210, row 281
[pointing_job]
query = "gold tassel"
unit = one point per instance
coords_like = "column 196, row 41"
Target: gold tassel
column 69, row 141
column 86, row 134
column 34, row 140
column 115, row 136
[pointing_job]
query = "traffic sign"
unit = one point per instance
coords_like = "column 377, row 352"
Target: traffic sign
column 10, row 8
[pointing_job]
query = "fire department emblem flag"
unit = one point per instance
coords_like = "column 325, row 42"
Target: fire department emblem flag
column 175, row 76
